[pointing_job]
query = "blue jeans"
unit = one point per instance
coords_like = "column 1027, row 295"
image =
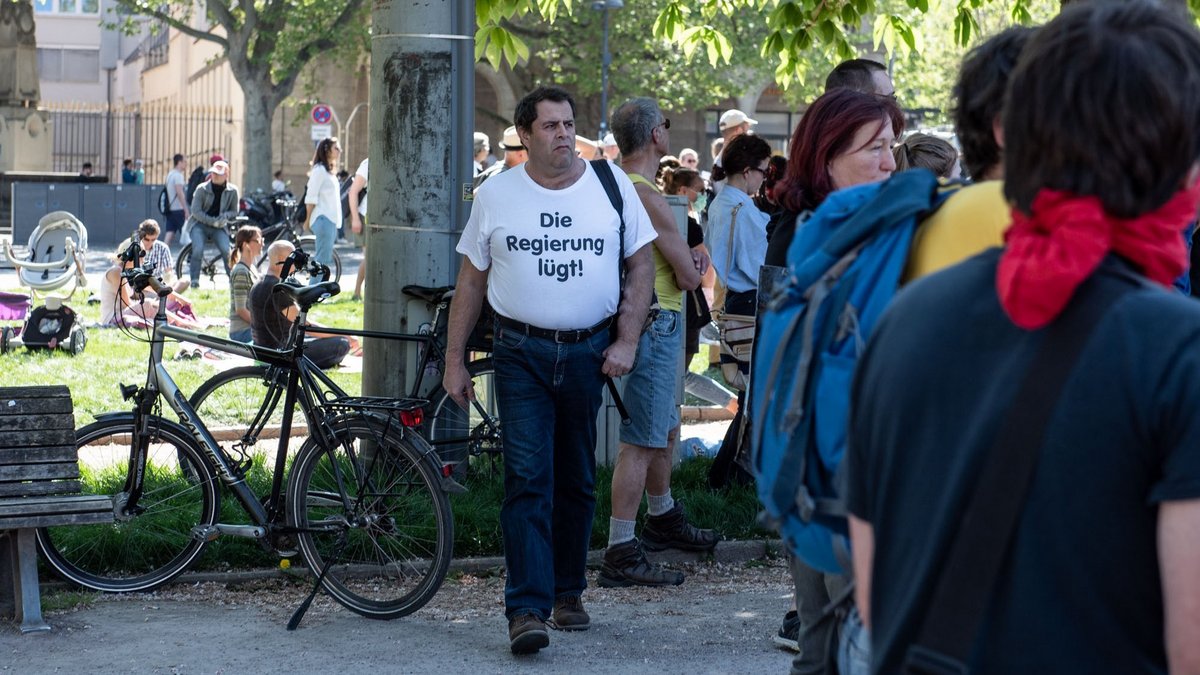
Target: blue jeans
column 326, row 233
column 246, row 335
column 548, row 397
column 201, row 236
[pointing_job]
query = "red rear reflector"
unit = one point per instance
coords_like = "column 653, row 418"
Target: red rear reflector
column 412, row 418
column 447, row 469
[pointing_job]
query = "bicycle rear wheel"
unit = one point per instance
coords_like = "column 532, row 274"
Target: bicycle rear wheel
column 229, row 401
column 141, row 551
column 457, row 434
column 211, row 264
column 373, row 505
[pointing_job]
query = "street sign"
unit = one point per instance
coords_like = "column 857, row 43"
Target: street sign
column 321, row 131
column 322, row 114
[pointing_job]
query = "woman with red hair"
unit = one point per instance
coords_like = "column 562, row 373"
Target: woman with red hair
column 844, row 139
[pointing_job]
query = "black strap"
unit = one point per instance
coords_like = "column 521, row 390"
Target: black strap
column 604, row 173
column 972, row 568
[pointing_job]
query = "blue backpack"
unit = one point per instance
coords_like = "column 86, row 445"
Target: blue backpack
column 844, row 267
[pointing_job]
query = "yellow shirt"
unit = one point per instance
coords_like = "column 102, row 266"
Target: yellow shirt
column 972, row 220
column 669, row 295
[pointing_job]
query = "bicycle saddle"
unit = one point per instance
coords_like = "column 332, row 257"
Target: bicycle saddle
column 430, row 294
column 307, row 296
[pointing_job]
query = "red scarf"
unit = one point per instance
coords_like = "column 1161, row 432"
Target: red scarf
column 1049, row 253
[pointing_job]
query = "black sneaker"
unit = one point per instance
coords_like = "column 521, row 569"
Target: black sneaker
column 527, row 634
column 672, row 530
column 788, row 636
column 626, row 565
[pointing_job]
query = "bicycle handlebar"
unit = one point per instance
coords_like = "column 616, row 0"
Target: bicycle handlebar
column 300, row 260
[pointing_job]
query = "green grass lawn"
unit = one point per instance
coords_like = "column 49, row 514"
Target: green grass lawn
column 113, row 357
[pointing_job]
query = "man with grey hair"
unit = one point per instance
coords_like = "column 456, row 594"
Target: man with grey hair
column 514, row 154
column 644, row 462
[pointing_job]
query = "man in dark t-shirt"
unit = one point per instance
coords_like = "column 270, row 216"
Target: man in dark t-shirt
column 1101, row 572
column 272, row 314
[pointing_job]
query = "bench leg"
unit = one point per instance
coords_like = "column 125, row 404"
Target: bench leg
column 27, row 587
column 8, row 571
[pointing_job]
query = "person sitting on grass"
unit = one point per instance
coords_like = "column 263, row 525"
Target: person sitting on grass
column 118, row 306
column 272, row 315
column 247, row 248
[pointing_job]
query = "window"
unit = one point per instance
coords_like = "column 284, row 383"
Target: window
column 66, row 6
column 69, row 65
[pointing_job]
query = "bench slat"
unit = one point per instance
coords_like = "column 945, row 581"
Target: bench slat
column 57, row 519
column 49, row 471
column 45, row 506
column 39, row 455
column 48, row 487
column 34, row 406
column 32, row 422
column 13, row 443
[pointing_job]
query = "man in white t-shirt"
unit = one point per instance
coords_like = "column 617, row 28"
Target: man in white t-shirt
column 544, row 244
column 177, row 206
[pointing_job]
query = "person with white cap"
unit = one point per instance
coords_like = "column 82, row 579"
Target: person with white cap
column 214, row 203
column 609, row 146
column 733, row 123
column 482, row 146
column 514, row 154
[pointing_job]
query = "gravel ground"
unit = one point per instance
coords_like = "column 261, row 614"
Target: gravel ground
column 720, row 621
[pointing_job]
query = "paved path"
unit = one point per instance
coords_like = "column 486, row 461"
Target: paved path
column 720, row 621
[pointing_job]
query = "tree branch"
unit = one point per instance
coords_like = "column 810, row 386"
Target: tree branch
column 311, row 49
column 145, row 9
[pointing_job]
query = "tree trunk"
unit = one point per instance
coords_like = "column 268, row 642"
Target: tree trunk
column 260, row 109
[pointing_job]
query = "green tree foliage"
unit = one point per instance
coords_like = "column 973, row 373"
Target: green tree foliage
column 795, row 27
column 267, row 44
column 569, row 53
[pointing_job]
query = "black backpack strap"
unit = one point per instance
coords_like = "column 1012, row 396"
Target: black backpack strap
column 604, row 172
column 972, row 567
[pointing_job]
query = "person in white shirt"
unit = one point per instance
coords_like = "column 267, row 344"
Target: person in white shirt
column 323, row 199
column 277, row 185
column 544, row 244
column 177, row 206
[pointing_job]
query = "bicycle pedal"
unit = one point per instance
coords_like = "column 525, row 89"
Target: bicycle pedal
column 205, row 532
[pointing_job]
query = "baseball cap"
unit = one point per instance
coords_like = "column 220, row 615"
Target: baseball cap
column 481, row 141
column 732, row 118
column 220, row 167
column 215, row 158
column 511, row 140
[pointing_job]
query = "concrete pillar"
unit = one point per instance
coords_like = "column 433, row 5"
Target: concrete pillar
column 422, row 110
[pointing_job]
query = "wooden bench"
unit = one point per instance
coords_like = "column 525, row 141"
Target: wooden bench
column 39, row 487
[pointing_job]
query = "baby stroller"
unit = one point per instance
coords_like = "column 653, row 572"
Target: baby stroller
column 57, row 249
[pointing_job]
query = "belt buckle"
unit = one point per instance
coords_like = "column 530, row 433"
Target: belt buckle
column 559, row 334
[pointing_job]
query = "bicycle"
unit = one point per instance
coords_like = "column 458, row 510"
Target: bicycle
column 286, row 228
column 459, row 435
column 364, row 501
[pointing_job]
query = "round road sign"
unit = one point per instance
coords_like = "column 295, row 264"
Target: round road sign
column 321, row 114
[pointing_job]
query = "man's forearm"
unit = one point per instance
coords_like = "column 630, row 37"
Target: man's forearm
column 639, row 280
column 469, row 292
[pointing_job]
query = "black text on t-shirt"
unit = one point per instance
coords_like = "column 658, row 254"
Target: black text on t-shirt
column 538, row 247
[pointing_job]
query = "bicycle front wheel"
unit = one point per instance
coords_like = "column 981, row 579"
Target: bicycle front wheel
column 140, row 551
column 457, row 434
column 372, row 508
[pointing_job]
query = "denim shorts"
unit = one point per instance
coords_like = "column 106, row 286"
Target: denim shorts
column 650, row 388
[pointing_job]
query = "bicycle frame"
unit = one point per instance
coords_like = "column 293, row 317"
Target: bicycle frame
column 305, row 380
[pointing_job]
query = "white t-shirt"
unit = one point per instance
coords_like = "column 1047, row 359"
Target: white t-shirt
column 278, row 185
column 362, row 171
column 323, row 192
column 175, row 179
column 552, row 254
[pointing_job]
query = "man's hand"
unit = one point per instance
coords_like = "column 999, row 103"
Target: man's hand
column 702, row 261
column 618, row 358
column 457, row 382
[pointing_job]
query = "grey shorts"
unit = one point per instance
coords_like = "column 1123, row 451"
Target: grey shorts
column 650, row 388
